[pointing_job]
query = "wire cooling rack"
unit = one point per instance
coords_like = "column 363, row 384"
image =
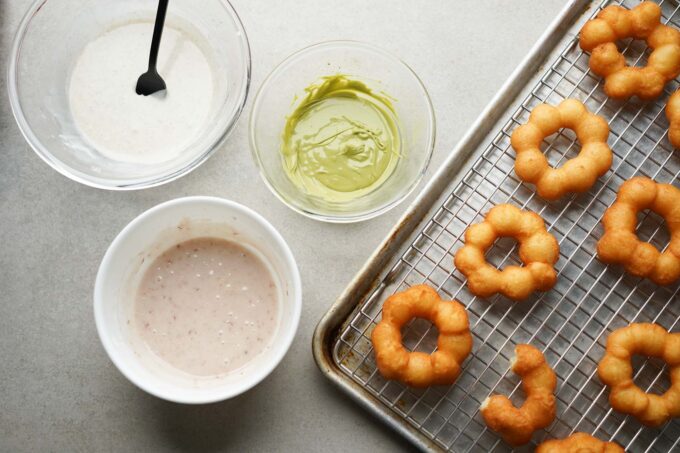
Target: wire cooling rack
column 571, row 322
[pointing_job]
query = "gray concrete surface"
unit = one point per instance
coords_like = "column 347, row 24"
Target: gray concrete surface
column 58, row 389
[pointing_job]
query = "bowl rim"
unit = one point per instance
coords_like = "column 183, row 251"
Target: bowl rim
column 341, row 218
column 134, row 184
column 214, row 394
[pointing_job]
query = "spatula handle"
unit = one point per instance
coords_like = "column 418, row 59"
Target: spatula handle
column 157, row 33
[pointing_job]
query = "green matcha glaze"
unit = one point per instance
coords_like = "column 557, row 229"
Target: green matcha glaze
column 341, row 141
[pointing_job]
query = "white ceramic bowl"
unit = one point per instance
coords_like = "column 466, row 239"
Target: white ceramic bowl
column 136, row 247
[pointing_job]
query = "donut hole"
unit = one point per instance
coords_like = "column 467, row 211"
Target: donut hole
column 419, row 335
column 503, row 252
column 560, row 147
column 652, row 228
column 635, row 51
column 650, row 374
column 510, row 382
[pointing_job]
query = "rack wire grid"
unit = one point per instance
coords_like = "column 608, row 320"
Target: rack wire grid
column 571, row 322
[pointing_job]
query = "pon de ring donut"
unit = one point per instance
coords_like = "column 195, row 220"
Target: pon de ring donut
column 598, row 36
column 579, row 443
column 673, row 115
column 615, row 370
column 418, row 369
column 517, row 425
column 577, row 174
column 538, row 250
column 620, row 244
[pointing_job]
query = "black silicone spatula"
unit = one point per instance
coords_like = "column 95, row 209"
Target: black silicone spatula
column 151, row 82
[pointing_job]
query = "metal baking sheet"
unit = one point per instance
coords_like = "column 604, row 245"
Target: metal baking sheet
column 569, row 323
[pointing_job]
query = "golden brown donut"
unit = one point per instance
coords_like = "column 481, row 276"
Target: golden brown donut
column 516, row 426
column 538, row 250
column 598, row 36
column 577, row 174
column 579, row 443
column 673, row 115
column 418, row 369
column 615, row 370
column 620, row 244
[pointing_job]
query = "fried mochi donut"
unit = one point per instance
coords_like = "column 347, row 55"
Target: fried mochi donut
column 418, row 369
column 516, row 426
column 615, row 370
column 620, row 244
column 538, row 250
column 673, row 115
column 576, row 175
column 598, row 36
column 579, row 443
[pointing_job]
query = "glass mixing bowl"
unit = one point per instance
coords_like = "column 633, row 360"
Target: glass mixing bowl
column 50, row 38
column 382, row 72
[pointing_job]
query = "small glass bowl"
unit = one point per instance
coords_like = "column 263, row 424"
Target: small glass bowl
column 48, row 42
column 381, row 72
